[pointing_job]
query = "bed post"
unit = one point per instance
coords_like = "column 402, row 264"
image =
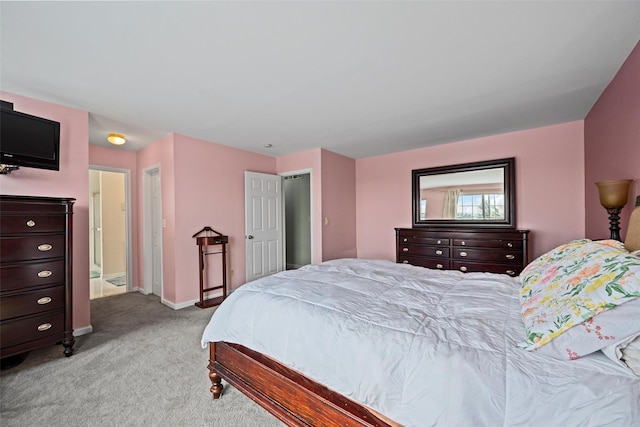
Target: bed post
column 216, row 379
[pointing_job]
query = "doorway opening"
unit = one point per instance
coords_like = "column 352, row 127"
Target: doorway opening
column 297, row 202
column 109, row 232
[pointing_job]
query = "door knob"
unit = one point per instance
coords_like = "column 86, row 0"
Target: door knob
column 249, row 236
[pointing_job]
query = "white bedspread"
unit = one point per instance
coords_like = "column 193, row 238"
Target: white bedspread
column 423, row 347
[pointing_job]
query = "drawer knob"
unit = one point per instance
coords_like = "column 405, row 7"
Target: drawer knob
column 31, row 223
column 405, row 262
column 438, row 252
column 44, row 273
column 510, row 256
column 405, row 240
column 439, row 265
column 463, row 268
column 44, row 300
column 511, row 272
column 439, row 242
column 44, row 327
column 405, row 249
column 463, row 254
column 510, row 244
column 45, row 247
column 463, row 243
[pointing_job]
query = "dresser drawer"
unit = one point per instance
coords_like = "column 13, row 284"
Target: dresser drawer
column 19, row 331
column 489, row 243
column 32, row 302
column 432, row 251
column 423, row 240
column 38, row 223
column 468, row 266
column 485, row 255
column 438, row 264
column 27, row 275
column 31, row 248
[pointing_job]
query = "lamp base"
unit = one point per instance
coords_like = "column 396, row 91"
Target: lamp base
column 614, row 223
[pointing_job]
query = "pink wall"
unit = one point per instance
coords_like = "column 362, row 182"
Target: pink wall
column 338, row 206
column 72, row 180
column 612, row 145
column 122, row 159
column 549, row 185
column 209, row 191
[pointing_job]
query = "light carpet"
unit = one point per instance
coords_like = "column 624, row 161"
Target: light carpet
column 142, row 366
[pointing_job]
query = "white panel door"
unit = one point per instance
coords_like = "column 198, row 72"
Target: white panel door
column 156, row 233
column 264, row 224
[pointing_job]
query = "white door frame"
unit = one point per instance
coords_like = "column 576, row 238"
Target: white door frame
column 311, row 221
column 148, row 230
column 127, row 217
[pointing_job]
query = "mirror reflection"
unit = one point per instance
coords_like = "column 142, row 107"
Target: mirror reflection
column 467, row 195
column 473, row 195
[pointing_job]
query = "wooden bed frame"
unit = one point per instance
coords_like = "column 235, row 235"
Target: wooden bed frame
column 293, row 398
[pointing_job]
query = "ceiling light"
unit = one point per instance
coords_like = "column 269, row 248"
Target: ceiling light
column 116, row 139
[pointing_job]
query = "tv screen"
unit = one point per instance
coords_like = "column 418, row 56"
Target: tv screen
column 29, row 141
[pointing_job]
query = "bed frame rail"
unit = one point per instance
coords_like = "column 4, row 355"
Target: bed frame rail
column 291, row 397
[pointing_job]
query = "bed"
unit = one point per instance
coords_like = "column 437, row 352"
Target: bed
column 372, row 342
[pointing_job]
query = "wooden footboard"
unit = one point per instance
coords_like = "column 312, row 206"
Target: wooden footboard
column 291, row 397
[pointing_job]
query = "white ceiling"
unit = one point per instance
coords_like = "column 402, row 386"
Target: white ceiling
column 358, row 78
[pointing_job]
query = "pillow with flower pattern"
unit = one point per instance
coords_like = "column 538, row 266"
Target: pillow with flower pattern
column 571, row 286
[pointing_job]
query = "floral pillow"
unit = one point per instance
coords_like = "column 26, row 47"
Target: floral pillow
column 571, row 284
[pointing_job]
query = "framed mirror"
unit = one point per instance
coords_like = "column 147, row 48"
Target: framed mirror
column 480, row 194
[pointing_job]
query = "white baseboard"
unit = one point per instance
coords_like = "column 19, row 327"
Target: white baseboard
column 82, row 331
column 185, row 304
column 179, row 306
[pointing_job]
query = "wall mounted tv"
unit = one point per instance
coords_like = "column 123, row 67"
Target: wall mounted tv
column 28, row 141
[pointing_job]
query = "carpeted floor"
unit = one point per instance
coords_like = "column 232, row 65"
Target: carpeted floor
column 142, row 366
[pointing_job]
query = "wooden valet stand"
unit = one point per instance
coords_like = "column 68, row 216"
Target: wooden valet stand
column 205, row 238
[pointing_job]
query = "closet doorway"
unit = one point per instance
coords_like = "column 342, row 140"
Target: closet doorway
column 109, row 231
column 297, row 218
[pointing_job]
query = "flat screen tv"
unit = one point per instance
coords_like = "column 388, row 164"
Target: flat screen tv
column 29, row 141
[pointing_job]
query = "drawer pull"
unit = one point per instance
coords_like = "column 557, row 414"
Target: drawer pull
column 44, row 300
column 44, row 273
column 405, row 262
column 510, row 256
column 463, row 243
column 405, row 249
column 405, row 240
column 463, row 268
column 439, row 242
column 439, row 265
column 463, row 254
column 438, row 252
column 511, row 272
column 31, row 223
column 45, row 247
column 44, row 327
column 510, row 244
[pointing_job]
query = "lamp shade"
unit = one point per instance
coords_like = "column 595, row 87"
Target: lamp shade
column 614, row 194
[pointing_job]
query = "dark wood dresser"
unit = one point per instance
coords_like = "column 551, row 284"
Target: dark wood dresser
column 488, row 250
column 35, row 273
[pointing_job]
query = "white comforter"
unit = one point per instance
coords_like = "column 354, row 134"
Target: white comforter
column 423, row 347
